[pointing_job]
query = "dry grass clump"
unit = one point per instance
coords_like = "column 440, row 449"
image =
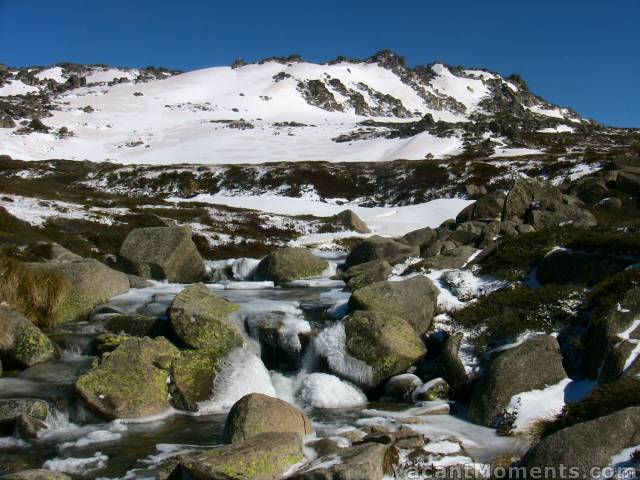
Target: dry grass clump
column 36, row 295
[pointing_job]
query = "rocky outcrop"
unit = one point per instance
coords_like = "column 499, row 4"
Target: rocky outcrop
column 290, row 263
column 587, row 445
column 255, row 413
column 266, row 456
column 131, row 381
column 414, row 300
column 201, row 321
column 366, row 273
column 387, row 344
column 163, row 253
column 22, row 344
column 90, row 284
column 533, row 365
column 380, row 248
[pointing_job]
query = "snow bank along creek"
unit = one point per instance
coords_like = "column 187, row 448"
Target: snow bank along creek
column 85, row 446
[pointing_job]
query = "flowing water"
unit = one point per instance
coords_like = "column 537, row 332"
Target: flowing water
column 85, row 446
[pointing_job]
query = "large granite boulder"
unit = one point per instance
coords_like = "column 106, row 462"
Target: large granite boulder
column 130, row 382
column 163, row 253
column 414, row 300
column 533, row 365
column 22, row 344
column 348, row 220
column 201, row 320
column 256, row 413
column 366, row 273
column 360, row 462
column 266, row 456
column 422, row 238
column 290, row 263
column 486, row 208
column 90, row 284
column 587, row 445
column 381, row 248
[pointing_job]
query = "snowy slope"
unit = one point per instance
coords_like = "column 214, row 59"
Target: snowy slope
column 188, row 117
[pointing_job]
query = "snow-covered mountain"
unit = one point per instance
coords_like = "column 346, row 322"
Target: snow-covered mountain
column 279, row 109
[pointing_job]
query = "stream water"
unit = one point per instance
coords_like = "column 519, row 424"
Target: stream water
column 84, row 446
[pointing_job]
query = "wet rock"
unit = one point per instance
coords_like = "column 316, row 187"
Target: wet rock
column 386, row 343
column 11, row 409
column 533, row 365
column 580, row 268
column 163, row 253
column 131, row 381
column 348, row 220
column 414, row 300
column 27, row 427
column 290, row 263
column 22, row 344
column 401, row 386
column 255, row 413
column 201, row 321
column 192, row 375
column 380, row 248
column 366, row 273
column 266, row 456
column 587, row 445
column 90, row 284
column 138, row 282
column 365, row 461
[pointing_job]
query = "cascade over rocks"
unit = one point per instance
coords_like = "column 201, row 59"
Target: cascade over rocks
column 532, row 365
column 22, row 344
column 163, row 253
column 414, row 300
column 256, row 413
column 290, row 263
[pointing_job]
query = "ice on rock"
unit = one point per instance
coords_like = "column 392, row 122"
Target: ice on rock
column 321, row 390
column 241, row 373
column 77, row 465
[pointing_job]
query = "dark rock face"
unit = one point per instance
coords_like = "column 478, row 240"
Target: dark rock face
column 580, row 268
column 380, row 248
column 255, row 413
column 414, row 300
column 533, row 365
column 589, row 444
column 163, row 253
column 290, row 263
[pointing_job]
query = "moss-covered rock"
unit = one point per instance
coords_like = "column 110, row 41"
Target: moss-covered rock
column 11, row 409
column 108, row 342
column 413, row 300
column 163, row 253
column 90, row 284
column 130, row 324
column 290, row 263
column 388, row 344
column 192, row 375
column 255, row 413
column 265, row 456
column 201, row 320
column 131, row 381
column 22, row 344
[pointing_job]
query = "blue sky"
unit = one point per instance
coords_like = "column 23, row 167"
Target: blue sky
column 580, row 53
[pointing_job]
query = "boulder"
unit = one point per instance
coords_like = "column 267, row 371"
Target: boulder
column 587, row 445
column 450, row 365
column 380, row 248
column 39, row 474
column 90, row 284
column 290, row 263
column 436, row 389
column 486, row 208
column 387, row 344
column 401, row 386
column 580, row 268
column 22, row 344
column 348, row 220
column 27, row 427
column 421, row 238
column 163, row 253
column 192, row 375
column 360, row 462
column 131, row 381
column 201, row 321
column 628, row 182
column 456, row 257
column 130, row 324
column 266, row 456
column 255, row 413
column 532, row 365
column 366, row 273
column 11, row 409
column 414, row 300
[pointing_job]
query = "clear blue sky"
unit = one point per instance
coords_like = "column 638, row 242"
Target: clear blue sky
column 580, row 53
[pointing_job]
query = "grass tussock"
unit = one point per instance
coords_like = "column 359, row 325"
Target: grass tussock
column 503, row 315
column 602, row 401
column 38, row 296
